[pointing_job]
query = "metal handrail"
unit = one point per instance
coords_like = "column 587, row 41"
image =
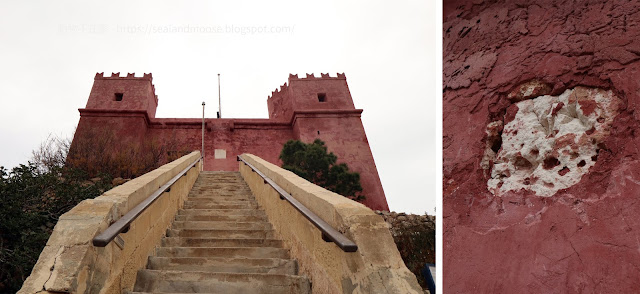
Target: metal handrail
column 122, row 224
column 329, row 234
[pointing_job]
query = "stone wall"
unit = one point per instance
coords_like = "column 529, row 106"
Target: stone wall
column 376, row 267
column 399, row 221
column 541, row 164
column 70, row 263
column 415, row 238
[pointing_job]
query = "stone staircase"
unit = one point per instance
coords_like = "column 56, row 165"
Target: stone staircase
column 221, row 242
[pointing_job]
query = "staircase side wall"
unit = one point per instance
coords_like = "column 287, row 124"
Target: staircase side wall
column 375, row 268
column 70, row 263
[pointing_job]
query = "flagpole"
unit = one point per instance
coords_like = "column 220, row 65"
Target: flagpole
column 219, row 101
column 202, row 150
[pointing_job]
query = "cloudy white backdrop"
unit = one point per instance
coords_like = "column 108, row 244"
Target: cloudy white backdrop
column 389, row 51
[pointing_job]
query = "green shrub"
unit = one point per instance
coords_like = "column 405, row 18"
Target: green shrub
column 313, row 163
column 32, row 201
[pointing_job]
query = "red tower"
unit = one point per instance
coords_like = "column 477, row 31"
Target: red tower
column 304, row 109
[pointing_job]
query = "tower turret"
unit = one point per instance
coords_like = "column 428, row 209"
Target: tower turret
column 123, row 93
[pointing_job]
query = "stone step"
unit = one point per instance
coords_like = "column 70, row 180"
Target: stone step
column 222, row 212
column 220, row 189
column 234, row 197
column 219, row 194
column 220, row 181
column 223, row 196
column 159, row 281
column 199, row 205
column 225, row 265
column 236, row 252
column 198, row 200
column 220, row 242
column 235, row 234
column 215, row 225
column 224, row 218
column 223, row 184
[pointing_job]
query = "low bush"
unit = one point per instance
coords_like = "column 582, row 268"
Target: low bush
column 32, row 200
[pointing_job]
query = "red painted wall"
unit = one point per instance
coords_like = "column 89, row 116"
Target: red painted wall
column 583, row 239
column 294, row 113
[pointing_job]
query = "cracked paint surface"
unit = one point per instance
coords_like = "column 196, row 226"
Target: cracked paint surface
column 584, row 238
column 552, row 141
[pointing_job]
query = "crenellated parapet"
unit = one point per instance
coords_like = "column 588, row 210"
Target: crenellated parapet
column 116, row 75
column 277, row 91
column 311, row 76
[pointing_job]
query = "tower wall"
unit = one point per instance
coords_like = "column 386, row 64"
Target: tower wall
column 344, row 135
column 123, row 93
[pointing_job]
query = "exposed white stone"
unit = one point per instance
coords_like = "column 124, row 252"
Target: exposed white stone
column 552, row 141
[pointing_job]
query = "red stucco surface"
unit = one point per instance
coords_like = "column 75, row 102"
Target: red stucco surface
column 294, row 113
column 584, row 239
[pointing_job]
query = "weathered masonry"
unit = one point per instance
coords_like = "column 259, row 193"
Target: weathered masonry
column 302, row 109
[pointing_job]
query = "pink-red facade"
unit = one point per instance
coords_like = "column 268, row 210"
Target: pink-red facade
column 302, row 109
column 582, row 239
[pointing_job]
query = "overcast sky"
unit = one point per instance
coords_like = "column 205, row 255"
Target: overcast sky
column 389, row 51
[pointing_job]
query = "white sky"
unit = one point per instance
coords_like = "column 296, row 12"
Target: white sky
column 389, row 51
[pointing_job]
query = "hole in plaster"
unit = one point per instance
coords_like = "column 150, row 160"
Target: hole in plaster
column 551, row 162
column 547, row 137
column 564, row 171
column 497, row 143
column 522, row 163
